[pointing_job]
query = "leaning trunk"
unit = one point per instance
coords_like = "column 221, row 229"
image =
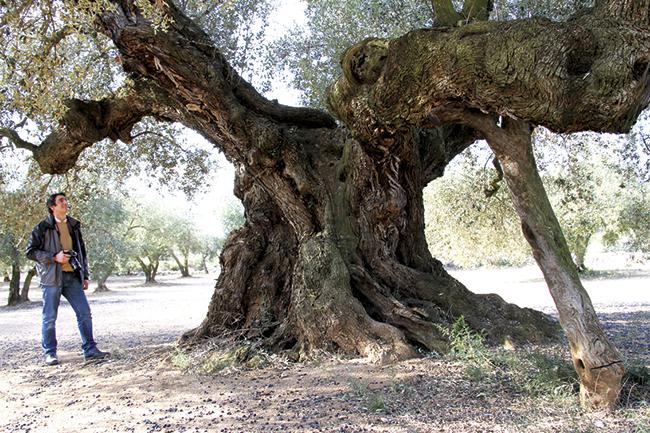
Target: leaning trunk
column 101, row 282
column 595, row 358
column 182, row 265
column 14, row 285
column 204, row 265
column 24, row 294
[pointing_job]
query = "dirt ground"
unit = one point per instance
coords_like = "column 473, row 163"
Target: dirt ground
column 140, row 389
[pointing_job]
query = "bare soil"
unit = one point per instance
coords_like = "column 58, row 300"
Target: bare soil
column 142, row 389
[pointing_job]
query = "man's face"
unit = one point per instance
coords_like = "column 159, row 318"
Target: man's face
column 60, row 205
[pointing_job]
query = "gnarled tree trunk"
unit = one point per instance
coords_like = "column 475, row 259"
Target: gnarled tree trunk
column 333, row 253
column 588, row 73
column 149, row 269
column 361, row 278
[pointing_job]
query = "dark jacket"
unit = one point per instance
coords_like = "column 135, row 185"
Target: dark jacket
column 44, row 244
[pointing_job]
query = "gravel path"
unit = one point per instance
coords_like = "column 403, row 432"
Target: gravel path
column 139, row 390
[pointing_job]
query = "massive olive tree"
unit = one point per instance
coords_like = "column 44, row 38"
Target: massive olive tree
column 333, row 254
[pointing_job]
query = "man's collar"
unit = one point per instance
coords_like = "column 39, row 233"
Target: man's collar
column 65, row 219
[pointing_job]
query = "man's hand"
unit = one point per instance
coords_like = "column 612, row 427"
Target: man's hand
column 86, row 283
column 61, row 257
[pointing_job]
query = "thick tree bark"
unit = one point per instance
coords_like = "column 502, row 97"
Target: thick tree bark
column 637, row 11
column 363, row 283
column 529, row 69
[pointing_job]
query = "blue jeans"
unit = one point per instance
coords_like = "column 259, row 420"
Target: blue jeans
column 73, row 291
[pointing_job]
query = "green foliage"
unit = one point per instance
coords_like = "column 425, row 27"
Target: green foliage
column 583, row 184
column 150, row 236
column 633, row 223
column 467, row 345
column 467, row 228
column 557, row 10
column 105, row 227
column 588, row 184
column 232, row 216
column 50, row 52
column 209, row 248
column 164, row 154
column 22, row 208
column 239, row 28
column 181, row 360
column 312, row 53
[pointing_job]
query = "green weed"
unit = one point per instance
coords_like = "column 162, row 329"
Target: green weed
column 181, row 360
column 532, row 373
column 374, row 400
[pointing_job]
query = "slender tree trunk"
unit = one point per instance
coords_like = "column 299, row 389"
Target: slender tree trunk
column 182, row 266
column 101, row 282
column 154, row 270
column 14, row 285
column 204, row 264
column 24, row 294
column 595, row 358
column 149, row 270
column 580, row 251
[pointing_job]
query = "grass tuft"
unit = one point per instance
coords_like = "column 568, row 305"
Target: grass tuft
column 374, row 401
column 530, row 372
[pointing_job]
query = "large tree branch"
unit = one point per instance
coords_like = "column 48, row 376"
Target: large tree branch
column 17, row 141
column 183, row 61
column 637, row 11
column 445, row 13
column 587, row 74
column 87, row 122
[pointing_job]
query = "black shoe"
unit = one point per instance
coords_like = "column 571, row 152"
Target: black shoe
column 97, row 354
column 51, row 360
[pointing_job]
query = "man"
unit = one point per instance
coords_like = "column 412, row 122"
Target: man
column 60, row 254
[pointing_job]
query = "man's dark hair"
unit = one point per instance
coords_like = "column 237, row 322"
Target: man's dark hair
column 51, row 200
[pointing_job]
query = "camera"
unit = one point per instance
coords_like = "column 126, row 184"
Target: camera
column 74, row 261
